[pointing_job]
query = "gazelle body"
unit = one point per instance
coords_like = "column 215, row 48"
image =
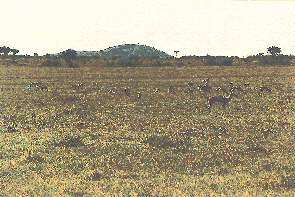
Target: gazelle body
column 190, row 84
column 265, row 89
column 223, row 100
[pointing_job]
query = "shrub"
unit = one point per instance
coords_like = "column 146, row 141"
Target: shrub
column 219, row 60
column 166, row 142
column 58, row 62
column 288, row 182
column 274, row 60
column 52, row 62
column 70, row 142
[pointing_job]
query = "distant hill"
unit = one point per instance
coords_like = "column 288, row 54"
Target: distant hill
column 133, row 50
column 126, row 51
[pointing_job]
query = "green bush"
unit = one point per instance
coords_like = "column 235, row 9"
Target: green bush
column 219, row 60
column 59, row 62
column 274, row 60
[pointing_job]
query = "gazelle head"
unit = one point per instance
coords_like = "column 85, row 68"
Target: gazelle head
column 157, row 90
column 205, row 81
column 139, row 95
column 232, row 91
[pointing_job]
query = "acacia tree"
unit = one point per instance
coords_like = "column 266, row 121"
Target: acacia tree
column 176, row 53
column 274, row 51
column 5, row 50
column 14, row 51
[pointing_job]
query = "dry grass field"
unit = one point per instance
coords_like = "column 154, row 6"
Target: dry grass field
column 120, row 132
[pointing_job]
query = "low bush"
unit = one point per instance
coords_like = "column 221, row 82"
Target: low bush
column 219, row 61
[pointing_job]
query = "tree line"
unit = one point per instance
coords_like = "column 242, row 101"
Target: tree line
column 273, row 56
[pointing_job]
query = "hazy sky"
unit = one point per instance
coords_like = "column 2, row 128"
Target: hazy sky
column 216, row 27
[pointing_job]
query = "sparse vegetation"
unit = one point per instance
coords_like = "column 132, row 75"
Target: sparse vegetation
column 79, row 132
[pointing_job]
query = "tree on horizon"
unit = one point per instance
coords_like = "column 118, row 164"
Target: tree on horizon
column 14, row 51
column 5, row 50
column 274, row 50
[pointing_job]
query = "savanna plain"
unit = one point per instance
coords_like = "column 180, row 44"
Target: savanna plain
column 146, row 131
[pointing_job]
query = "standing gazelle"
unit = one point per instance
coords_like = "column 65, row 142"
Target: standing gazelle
column 223, row 100
column 205, row 87
column 127, row 92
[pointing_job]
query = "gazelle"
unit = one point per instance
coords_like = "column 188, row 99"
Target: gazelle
column 139, row 95
column 205, row 87
column 127, row 92
column 265, row 89
column 223, row 100
column 190, row 84
column 171, row 90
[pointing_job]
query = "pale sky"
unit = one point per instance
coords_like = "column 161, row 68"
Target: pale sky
column 194, row 27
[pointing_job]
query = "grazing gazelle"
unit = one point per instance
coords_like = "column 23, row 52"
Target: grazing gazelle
column 223, row 100
column 265, row 89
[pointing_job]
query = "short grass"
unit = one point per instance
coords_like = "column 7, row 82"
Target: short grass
column 74, row 132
